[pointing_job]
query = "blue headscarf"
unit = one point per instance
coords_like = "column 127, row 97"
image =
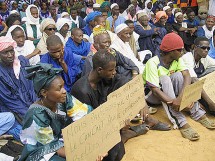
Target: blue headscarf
column 92, row 15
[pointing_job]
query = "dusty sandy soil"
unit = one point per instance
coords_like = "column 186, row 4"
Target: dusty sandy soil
column 170, row 145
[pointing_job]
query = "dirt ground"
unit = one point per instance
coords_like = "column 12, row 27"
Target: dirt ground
column 170, row 145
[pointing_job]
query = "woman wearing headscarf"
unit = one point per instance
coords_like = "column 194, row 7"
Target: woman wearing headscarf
column 106, row 5
column 16, row 92
column 47, row 28
column 32, row 25
column 45, row 119
column 130, row 13
column 148, row 8
column 24, row 47
column 160, row 22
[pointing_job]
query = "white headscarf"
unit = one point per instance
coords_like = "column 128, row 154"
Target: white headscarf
column 146, row 8
column 26, row 49
column 14, row 12
column 169, row 3
column 113, row 5
column 166, row 8
column 61, row 22
column 64, row 14
column 11, row 29
column 30, row 19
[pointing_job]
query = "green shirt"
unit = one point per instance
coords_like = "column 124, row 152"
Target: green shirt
column 153, row 70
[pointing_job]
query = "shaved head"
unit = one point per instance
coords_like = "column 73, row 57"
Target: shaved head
column 75, row 31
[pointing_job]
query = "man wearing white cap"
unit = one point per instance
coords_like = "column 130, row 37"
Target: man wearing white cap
column 115, row 19
column 121, row 44
column 96, row 7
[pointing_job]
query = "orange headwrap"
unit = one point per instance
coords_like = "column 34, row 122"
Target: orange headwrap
column 160, row 14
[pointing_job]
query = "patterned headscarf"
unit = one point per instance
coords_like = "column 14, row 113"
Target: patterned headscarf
column 98, row 30
column 42, row 74
column 6, row 42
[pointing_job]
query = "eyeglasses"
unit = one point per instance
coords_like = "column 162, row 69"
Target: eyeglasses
column 203, row 13
column 50, row 29
column 204, row 47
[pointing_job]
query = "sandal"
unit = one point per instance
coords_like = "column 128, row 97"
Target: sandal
column 207, row 123
column 140, row 129
column 134, row 131
column 190, row 134
column 152, row 110
column 161, row 127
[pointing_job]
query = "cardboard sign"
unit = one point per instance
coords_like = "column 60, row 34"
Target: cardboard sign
column 209, row 85
column 191, row 94
column 129, row 99
column 96, row 133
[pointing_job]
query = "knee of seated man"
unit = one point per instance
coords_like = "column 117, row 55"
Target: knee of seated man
column 165, row 79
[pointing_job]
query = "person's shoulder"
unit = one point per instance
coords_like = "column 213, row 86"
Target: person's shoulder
column 154, row 59
column 23, row 61
column 81, row 82
column 69, row 42
column 29, row 43
column 81, row 85
column 39, row 114
column 187, row 54
column 110, row 18
column 121, row 79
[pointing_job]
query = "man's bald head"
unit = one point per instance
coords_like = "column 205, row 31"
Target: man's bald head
column 75, row 31
column 77, row 35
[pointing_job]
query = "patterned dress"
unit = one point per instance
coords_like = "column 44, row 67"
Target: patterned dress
column 42, row 128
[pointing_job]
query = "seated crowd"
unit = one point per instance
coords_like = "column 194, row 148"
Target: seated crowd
column 59, row 60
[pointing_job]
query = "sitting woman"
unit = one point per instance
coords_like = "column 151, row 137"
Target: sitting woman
column 24, row 47
column 184, row 30
column 46, row 118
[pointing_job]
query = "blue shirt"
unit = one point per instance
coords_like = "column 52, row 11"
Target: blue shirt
column 194, row 23
column 211, row 52
column 16, row 95
column 73, row 65
column 119, row 21
column 4, row 15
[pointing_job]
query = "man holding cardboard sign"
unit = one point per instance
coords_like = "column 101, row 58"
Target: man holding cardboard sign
column 201, row 64
column 165, row 77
